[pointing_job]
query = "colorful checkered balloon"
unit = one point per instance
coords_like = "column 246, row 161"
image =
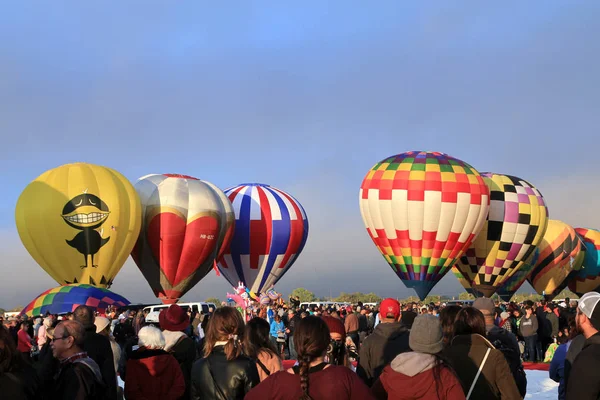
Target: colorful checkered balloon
column 561, row 255
column 422, row 210
column 516, row 280
column 271, row 229
column 587, row 278
column 64, row 299
column 462, row 280
column 515, row 225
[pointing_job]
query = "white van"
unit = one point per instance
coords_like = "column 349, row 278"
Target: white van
column 201, row 307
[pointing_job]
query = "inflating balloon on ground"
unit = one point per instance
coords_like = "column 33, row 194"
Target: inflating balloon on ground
column 64, row 299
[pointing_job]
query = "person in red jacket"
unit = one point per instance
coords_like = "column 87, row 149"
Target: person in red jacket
column 24, row 343
column 421, row 373
column 152, row 373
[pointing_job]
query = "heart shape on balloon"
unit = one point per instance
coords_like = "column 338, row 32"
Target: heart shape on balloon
column 181, row 247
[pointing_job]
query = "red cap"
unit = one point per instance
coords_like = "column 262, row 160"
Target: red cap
column 388, row 308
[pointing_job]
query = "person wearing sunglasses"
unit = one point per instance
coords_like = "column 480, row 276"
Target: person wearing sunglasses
column 78, row 376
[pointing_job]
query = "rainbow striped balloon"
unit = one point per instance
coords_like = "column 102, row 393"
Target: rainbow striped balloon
column 270, row 232
column 422, row 210
column 64, row 299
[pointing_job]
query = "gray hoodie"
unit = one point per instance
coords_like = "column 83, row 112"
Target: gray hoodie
column 380, row 348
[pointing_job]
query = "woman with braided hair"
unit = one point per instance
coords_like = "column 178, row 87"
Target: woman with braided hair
column 313, row 378
column 224, row 373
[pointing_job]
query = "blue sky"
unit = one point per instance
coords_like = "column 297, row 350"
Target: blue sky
column 303, row 97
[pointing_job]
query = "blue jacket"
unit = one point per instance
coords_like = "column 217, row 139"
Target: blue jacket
column 557, row 369
column 276, row 327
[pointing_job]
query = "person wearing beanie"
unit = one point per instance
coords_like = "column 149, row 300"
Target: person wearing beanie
column 420, row 373
column 389, row 338
column 336, row 353
column 173, row 322
column 103, row 328
column 584, row 377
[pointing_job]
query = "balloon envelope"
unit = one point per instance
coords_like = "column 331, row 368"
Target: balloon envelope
column 422, row 210
column 79, row 222
column 587, row 279
column 67, row 298
column 516, row 280
column 270, row 232
column 515, row 224
column 561, row 254
column 185, row 222
column 462, row 280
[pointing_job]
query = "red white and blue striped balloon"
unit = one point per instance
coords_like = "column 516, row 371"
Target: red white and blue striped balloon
column 270, row 232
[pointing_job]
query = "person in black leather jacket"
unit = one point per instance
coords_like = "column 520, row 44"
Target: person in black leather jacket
column 224, row 372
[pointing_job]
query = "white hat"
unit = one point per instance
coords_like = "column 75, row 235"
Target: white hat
column 587, row 305
column 101, row 324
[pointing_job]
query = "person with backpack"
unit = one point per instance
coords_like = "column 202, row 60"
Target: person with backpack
column 504, row 341
column 481, row 368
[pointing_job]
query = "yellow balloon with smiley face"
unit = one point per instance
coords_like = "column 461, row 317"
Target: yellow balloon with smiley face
column 79, row 222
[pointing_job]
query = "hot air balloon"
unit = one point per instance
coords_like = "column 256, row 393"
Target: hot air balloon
column 185, row 223
column 561, row 254
column 79, row 222
column 462, row 280
column 423, row 210
column 271, row 229
column 515, row 225
column 516, row 280
column 587, row 279
column 64, row 299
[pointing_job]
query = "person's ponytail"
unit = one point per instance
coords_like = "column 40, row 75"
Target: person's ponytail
column 232, row 348
column 311, row 338
column 304, row 365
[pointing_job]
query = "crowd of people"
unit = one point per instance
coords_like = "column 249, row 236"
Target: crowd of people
column 392, row 351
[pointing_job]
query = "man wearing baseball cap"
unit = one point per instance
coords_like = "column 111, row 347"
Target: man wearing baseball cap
column 388, row 339
column 584, row 379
